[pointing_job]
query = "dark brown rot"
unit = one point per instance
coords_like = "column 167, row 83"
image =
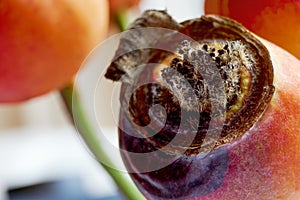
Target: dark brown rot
column 208, row 110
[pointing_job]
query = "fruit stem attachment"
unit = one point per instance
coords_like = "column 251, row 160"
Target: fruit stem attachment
column 121, row 20
column 75, row 108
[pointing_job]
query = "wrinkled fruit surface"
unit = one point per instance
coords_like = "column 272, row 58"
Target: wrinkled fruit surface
column 261, row 163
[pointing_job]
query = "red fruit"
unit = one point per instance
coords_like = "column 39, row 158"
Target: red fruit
column 121, row 5
column 275, row 20
column 256, row 156
column 42, row 43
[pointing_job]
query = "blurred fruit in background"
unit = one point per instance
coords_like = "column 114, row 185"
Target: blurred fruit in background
column 43, row 43
column 276, row 20
column 117, row 6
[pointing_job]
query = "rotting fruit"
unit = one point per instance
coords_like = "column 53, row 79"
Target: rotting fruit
column 255, row 118
column 274, row 20
column 43, row 43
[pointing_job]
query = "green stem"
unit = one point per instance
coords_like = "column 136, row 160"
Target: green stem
column 121, row 20
column 75, row 108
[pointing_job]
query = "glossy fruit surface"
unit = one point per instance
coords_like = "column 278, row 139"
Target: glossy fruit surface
column 258, row 148
column 274, row 20
column 43, row 43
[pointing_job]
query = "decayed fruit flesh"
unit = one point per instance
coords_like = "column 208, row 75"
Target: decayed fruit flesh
column 252, row 166
column 275, row 20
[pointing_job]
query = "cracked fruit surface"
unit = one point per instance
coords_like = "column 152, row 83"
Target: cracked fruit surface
column 235, row 94
column 274, row 20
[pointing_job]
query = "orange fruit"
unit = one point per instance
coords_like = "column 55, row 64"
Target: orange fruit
column 43, row 43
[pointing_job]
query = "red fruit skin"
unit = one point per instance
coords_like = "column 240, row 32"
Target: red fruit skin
column 265, row 162
column 275, row 20
column 121, row 5
column 43, row 43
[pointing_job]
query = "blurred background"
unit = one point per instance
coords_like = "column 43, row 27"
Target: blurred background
column 42, row 156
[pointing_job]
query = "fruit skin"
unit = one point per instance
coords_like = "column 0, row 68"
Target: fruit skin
column 43, row 43
column 253, row 166
column 274, row 20
column 263, row 164
column 121, row 5
column 268, row 155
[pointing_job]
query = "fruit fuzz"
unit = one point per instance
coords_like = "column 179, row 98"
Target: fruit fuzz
column 256, row 155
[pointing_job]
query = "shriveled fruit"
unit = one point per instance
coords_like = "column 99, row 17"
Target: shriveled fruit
column 256, row 152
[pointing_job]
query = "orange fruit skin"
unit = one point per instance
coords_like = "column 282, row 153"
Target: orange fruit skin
column 275, row 20
column 43, row 43
column 121, row 5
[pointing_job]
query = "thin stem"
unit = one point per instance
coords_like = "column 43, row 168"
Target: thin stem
column 75, row 108
column 121, row 20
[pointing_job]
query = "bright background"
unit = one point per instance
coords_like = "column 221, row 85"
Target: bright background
column 39, row 145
